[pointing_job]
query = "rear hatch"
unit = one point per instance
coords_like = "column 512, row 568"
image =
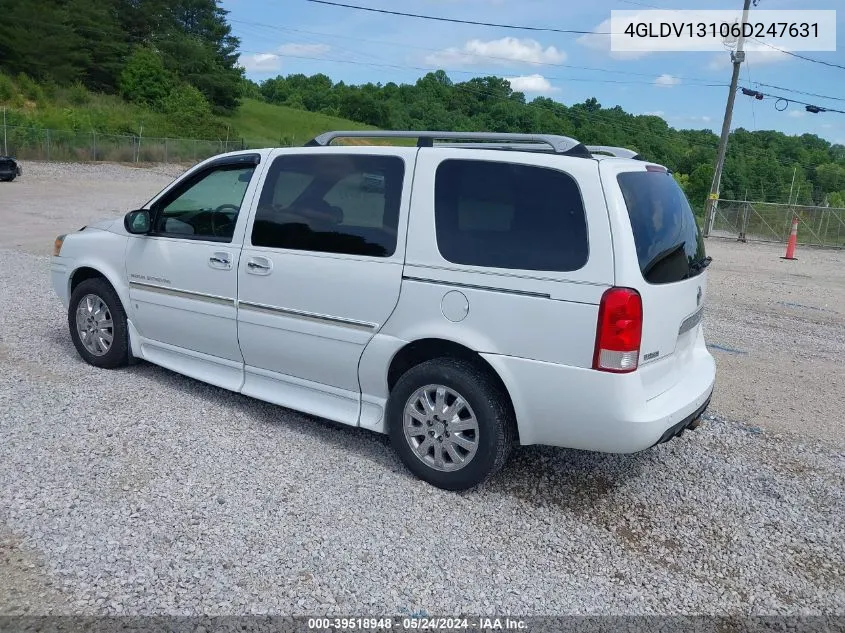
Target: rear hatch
column 659, row 252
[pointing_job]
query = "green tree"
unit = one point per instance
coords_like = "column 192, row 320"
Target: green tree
column 698, row 187
column 145, row 79
column 187, row 109
column 198, row 46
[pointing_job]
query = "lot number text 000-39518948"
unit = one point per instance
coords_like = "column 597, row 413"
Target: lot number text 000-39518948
column 714, row 30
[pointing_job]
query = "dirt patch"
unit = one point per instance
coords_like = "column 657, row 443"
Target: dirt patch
column 26, row 588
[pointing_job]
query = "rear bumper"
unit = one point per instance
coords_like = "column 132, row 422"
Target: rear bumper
column 683, row 425
column 590, row 410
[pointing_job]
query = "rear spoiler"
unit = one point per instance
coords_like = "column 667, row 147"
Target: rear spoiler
column 617, row 152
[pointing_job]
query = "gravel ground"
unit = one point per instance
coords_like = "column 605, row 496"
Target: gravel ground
column 141, row 491
column 777, row 331
column 54, row 198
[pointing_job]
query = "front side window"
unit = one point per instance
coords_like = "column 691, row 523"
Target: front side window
column 205, row 207
column 504, row 215
column 331, row 203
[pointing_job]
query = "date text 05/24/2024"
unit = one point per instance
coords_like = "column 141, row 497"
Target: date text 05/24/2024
column 418, row 623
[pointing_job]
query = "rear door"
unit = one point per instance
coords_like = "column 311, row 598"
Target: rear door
column 660, row 252
column 320, row 273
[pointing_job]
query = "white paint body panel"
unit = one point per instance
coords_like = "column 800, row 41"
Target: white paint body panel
column 665, row 306
column 183, row 302
column 308, row 320
column 319, row 331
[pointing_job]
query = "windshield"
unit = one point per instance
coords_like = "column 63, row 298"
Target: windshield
column 669, row 244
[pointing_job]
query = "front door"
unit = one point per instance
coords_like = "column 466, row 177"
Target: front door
column 183, row 275
column 320, row 273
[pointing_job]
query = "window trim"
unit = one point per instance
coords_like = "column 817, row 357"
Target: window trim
column 181, row 186
column 512, row 271
column 400, row 230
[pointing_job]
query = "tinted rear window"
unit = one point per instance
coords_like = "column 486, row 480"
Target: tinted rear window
column 665, row 232
column 504, row 215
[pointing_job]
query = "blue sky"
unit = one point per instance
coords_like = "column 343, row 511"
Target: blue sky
column 296, row 36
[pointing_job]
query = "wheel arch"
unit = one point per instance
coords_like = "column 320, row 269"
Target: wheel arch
column 85, row 271
column 420, row 350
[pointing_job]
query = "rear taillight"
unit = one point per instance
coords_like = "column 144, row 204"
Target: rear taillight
column 620, row 329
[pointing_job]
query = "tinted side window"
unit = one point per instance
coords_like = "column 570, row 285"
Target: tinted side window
column 334, row 203
column 503, row 215
column 665, row 232
column 205, row 207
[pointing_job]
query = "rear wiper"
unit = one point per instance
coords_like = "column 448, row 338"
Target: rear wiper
column 662, row 256
column 701, row 264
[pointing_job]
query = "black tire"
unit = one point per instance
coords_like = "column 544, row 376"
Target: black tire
column 8, row 178
column 496, row 423
column 117, row 354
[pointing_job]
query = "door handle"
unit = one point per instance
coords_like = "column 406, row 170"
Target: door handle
column 259, row 266
column 220, row 259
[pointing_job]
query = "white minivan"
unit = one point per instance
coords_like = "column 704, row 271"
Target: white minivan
column 463, row 295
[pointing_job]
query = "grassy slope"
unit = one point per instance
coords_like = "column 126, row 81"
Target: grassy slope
column 268, row 125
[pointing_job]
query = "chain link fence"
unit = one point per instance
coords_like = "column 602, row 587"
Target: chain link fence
column 32, row 143
column 770, row 222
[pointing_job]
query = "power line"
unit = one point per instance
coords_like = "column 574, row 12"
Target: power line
column 815, row 109
column 691, row 80
column 772, row 46
column 474, row 72
column 455, row 20
column 799, row 56
column 581, row 117
column 472, row 54
column 800, row 92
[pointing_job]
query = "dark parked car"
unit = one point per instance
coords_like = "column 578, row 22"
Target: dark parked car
column 9, row 169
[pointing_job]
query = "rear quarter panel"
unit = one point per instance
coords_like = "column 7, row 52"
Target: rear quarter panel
column 540, row 315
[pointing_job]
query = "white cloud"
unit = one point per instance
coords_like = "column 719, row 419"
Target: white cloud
column 797, row 114
column 654, row 113
column 510, row 50
column 601, row 43
column 666, row 81
column 827, row 126
column 270, row 62
column 693, row 118
column 531, row 83
column 310, row 50
column 260, row 62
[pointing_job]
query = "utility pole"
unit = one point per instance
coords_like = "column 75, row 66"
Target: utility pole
column 5, row 147
column 737, row 57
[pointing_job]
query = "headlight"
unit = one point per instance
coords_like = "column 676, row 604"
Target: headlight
column 57, row 245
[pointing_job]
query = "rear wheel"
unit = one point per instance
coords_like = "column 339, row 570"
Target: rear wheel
column 450, row 423
column 97, row 324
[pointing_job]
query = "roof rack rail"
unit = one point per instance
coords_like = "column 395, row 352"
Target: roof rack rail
column 618, row 152
column 557, row 144
column 520, row 147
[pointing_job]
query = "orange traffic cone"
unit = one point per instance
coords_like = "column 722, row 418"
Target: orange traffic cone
column 793, row 238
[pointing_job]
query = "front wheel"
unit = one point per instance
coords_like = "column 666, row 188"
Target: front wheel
column 97, row 324
column 450, row 423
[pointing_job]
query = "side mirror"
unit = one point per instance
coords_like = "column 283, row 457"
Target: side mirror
column 137, row 222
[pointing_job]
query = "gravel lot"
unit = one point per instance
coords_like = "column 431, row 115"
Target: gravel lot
column 141, row 491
